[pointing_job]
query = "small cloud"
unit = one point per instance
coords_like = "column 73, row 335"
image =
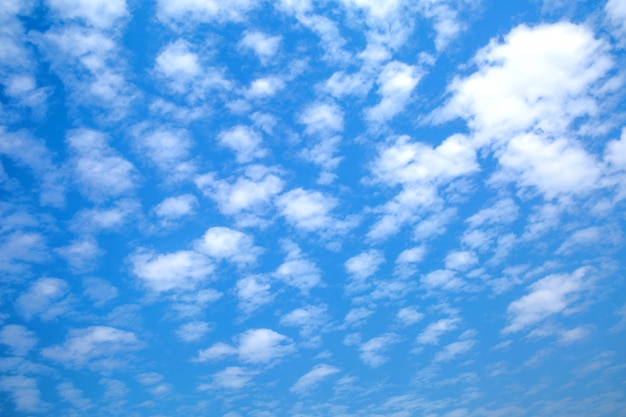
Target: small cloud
column 312, row 378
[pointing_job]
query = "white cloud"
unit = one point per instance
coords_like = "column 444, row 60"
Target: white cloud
column 184, row 71
column 396, row 83
column 371, row 352
column 443, row 279
column 193, row 331
column 445, row 19
column 307, row 210
column 81, row 254
column 105, row 218
column 33, row 153
column 244, row 141
column 539, row 77
column 502, row 212
column 298, row 272
column 44, row 299
column 256, row 346
column 461, row 260
column 310, row 319
column 228, row 244
column 451, row 351
column 20, row 249
column 83, row 346
column 99, row 169
column 616, row 14
column 264, row 46
column 181, row 270
column 25, row 394
column 68, row 392
column 364, row 264
column 357, row 316
column 410, row 256
column 433, row 332
column 409, row 315
column 194, row 303
column 232, row 377
column 322, row 118
column 204, row 11
column 173, row 208
column 98, row 13
column 18, row 338
column 253, row 292
column 265, row 87
column 322, row 154
column 554, row 167
column 401, row 161
column 99, row 291
column 548, row 296
column 434, row 225
column 312, row 378
column 249, row 194
column 168, row 148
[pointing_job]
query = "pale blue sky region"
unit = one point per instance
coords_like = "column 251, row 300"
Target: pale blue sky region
column 312, row 208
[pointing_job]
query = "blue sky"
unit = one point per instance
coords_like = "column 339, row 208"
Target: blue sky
column 312, row 208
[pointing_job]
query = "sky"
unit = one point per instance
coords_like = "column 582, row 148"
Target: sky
column 303, row 208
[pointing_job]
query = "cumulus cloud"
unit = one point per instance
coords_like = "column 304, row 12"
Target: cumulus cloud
column 310, row 319
column 181, row 270
column 193, row 331
column 364, row 264
column 255, row 346
column 409, row 315
column 203, row 11
column 372, row 351
column 98, row 13
column 167, row 148
column 312, row 378
column 100, row 170
column 173, row 208
column 433, row 332
column 24, row 392
column 297, row 270
column 539, row 77
column 307, row 210
column 396, row 83
column 44, row 299
column 253, row 292
column 322, row 117
column 229, row 244
column 81, row 254
column 18, row 338
column 233, row 377
column 263, row 45
column 244, row 141
column 546, row 297
column 451, row 351
column 95, row 343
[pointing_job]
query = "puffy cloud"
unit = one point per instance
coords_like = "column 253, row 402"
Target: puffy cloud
column 502, row 212
column 539, row 77
column 249, row 194
column 24, row 392
column 443, row 279
column 265, row 87
column 173, row 208
column 322, row 118
column 371, row 352
column 183, row 69
column 433, row 332
column 229, row 244
column 81, row 254
column 461, row 260
column 252, row 292
column 18, row 338
column 69, row 393
column 616, row 14
column 233, row 377
column 409, row 315
column 310, row 319
column 168, row 148
column 43, row 299
column 548, row 296
column 364, row 264
column 181, row 270
column 20, row 249
column 244, row 141
column 396, row 83
column 312, row 378
column 99, row 291
column 203, row 11
column 263, row 45
column 84, row 346
column 298, row 271
column 554, row 167
column 99, row 169
column 98, row 13
column 357, row 316
column 451, row 351
column 401, row 161
column 193, row 331
column 256, row 346
column 307, row 210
